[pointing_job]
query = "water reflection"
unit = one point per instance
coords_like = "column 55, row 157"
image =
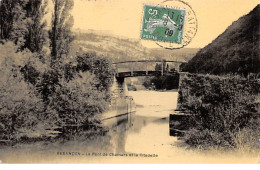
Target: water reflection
column 142, row 127
column 147, row 129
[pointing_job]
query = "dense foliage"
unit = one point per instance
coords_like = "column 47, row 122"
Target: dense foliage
column 78, row 101
column 170, row 79
column 34, row 97
column 21, row 21
column 166, row 82
column 220, row 108
column 42, row 85
column 21, row 110
column 225, row 109
column 97, row 65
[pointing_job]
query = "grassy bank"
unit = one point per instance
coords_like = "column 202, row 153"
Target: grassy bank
column 224, row 111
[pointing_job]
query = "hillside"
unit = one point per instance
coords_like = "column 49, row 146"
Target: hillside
column 183, row 54
column 236, row 50
column 122, row 49
column 118, row 49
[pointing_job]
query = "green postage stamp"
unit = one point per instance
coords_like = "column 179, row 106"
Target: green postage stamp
column 163, row 24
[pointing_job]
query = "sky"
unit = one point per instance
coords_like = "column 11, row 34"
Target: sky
column 124, row 17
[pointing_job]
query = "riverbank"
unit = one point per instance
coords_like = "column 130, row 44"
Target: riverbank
column 224, row 111
column 144, row 132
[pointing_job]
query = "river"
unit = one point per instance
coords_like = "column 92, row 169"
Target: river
column 140, row 137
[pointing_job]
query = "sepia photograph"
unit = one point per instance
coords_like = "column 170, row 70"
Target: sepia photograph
column 129, row 82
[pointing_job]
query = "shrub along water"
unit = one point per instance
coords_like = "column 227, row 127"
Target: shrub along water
column 35, row 98
column 224, row 110
column 44, row 83
column 78, row 101
column 21, row 110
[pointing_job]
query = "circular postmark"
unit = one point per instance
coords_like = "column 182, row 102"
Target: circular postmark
column 172, row 24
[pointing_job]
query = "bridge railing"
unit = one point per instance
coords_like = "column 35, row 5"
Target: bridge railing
column 145, row 67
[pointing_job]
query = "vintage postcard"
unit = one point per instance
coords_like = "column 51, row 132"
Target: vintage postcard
column 129, row 81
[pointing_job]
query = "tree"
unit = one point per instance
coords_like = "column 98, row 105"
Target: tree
column 21, row 22
column 12, row 21
column 99, row 66
column 36, row 35
column 60, row 34
column 22, row 111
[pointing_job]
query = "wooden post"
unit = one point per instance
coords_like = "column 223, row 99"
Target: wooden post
column 116, row 70
column 162, row 68
column 178, row 67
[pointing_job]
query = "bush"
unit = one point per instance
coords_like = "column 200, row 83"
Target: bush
column 222, row 105
column 247, row 138
column 167, row 82
column 91, row 62
column 78, row 91
column 204, row 139
column 35, row 98
column 79, row 101
column 21, row 110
